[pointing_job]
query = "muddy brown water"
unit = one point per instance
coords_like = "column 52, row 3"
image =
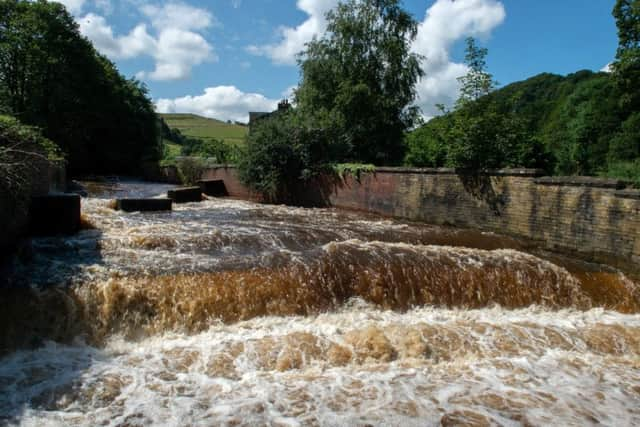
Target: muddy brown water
column 232, row 313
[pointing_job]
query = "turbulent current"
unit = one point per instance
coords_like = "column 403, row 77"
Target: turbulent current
column 232, row 313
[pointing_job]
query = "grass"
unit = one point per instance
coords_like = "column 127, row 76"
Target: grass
column 195, row 126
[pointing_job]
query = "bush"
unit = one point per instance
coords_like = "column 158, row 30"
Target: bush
column 353, row 169
column 427, row 145
column 190, row 169
column 23, row 150
column 283, row 151
column 628, row 171
column 214, row 149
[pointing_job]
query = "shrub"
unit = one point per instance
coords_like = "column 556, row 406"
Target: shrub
column 283, row 151
column 628, row 171
column 190, row 169
column 353, row 169
column 23, row 150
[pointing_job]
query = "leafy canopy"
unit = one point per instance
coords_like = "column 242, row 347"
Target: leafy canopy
column 360, row 77
column 478, row 135
column 283, row 151
column 52, row 77
column 626, row 67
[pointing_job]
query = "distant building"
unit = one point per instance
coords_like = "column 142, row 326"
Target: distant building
column 255, row 116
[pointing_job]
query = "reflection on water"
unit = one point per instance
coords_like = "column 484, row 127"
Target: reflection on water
column 232, row 313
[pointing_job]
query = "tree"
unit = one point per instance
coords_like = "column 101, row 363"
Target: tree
column 283, row 151
column 626, row 67
column 478, row 135
column 625, row 146
column 53, row 78
column 477, row 82
column 476, row 129
column 360, row 77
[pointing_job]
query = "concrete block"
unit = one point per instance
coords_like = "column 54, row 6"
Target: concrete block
column 213, row 187
column 185, row 195
column 54, row 214
column 144, row 205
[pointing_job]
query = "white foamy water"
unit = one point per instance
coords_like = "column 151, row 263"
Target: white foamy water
column 152, row 292
column 423, row 367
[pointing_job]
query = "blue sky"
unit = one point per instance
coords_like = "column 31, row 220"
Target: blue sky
column 222, row 58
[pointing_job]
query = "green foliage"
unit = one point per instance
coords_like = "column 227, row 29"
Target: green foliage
column 52, row 77
column 628, row 171
column 282, row 151
column 428, row 145
column 170, row 153
column 214, row 149
column 626, row 67
column 477, row 82
column 24, row 154
column 190, row 169
column 566, row 125
column 359, row 79
column 625, row 144
column 478, row 135
column 353, row 169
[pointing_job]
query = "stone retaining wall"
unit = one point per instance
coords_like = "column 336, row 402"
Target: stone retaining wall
column 14, row 208
column 593, row 218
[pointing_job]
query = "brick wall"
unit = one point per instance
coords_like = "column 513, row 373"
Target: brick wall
column 589, row 217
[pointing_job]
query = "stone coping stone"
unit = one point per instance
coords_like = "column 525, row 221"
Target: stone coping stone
column 582, row 181
column 54, row 214
column 423, row 171
column 213, row 187
column 144, row 205
column 185, row 194
column 628, row 194
column 437, row 171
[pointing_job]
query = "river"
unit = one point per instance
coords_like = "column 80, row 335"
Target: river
column 231, row 313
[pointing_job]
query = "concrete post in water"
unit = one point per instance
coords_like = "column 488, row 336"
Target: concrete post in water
column 144, row 205
column 185, row 195
column 213, row 187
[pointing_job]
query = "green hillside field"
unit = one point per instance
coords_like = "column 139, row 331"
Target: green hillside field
column 194, row 126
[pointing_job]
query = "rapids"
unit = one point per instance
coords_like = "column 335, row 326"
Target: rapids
column 227, row 312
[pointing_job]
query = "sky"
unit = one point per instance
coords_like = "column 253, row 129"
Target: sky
column 224, row 58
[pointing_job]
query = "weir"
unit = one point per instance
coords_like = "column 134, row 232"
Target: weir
column 231, row 312
column 591, row 218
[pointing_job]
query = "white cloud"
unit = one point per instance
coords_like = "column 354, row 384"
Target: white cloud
column 220, row 102
column 177, row 47
column 607, row 68
column 73, row 6
column 294, row 39
column 178, row 15
column 136, row 43
column 106, row 6
column 177, row 52
column 445, row 23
